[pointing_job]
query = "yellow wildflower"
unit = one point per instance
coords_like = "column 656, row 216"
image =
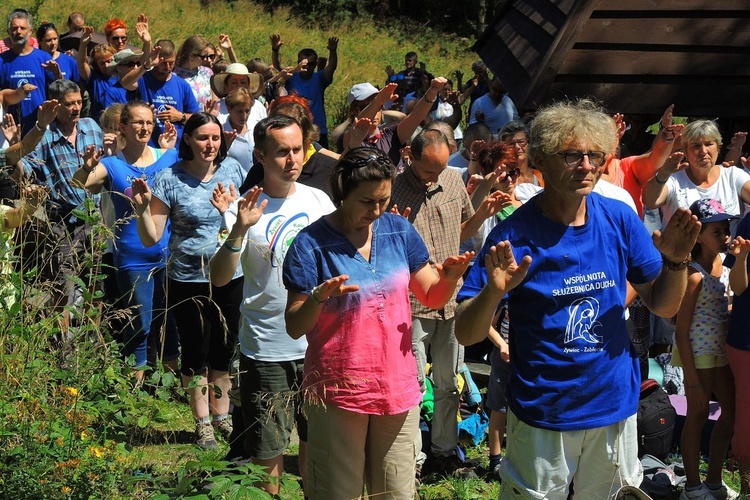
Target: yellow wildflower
column 72, row 391
column 96, row 451
column 65, row 490
column 84, row 435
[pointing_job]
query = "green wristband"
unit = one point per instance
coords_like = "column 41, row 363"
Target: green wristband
column 231, row 248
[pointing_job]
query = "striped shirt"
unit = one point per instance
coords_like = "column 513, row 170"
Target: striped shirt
column 437, row 212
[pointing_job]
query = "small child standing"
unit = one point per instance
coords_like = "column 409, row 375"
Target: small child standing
column 700, row 337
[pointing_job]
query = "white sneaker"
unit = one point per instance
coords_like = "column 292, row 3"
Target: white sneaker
column 702, row 493
column 723, row 493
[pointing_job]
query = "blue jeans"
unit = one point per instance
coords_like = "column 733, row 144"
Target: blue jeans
column 143, row 291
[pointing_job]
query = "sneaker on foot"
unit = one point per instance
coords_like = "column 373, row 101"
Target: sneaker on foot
column 496, row 470
column 723, row 493
column 204, row 436
column 701, row 493
column 224, row 426
column 452, row 466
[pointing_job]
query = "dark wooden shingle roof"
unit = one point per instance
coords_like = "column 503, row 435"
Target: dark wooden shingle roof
column 637, row 56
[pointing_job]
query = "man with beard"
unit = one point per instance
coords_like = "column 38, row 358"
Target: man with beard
column 22, row 65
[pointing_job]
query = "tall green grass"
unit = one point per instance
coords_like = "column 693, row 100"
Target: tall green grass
column 365, row 48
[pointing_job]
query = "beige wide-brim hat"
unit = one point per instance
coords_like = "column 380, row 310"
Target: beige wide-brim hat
column 122, row 57
column 218, row 80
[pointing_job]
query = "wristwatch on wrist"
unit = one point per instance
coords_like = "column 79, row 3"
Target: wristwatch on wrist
column 183, row 119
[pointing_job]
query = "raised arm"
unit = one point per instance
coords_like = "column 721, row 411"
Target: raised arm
column 474, row 316
column 141, row 28
column 224, row 262
column 655, row 191
column 333, row 58
column 130, row 80
column 408, row 125
column 454, row 100
column 91, row 175
column 152, row 213
column 434, row 290
column 14, row 96
column 44, row 118
column 664, row 294
column 734, row 150
column 226, row 43
column 646, row 165
column 738, row 279
column 276, row 44
column 82, row 58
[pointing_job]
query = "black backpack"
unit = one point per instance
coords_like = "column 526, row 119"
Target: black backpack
column 656, row 420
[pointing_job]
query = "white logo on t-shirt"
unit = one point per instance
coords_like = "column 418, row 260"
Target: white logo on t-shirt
column 582, row 321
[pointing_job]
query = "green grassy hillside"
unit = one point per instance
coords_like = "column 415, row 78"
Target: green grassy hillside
column 364, row 49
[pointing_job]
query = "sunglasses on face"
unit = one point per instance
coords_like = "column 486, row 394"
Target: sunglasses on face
column 119, row 38
column 511, row 174
column 209, row 57
column 130, row 64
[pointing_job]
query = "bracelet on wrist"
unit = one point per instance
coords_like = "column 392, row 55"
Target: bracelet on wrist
column 40, row 129
column 664, row 136
column 656, row 178
column 676, row 266
column 317, row 301
column 88, row 170
column 231, row 248
column 430, row 101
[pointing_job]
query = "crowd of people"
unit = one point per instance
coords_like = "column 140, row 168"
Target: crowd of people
column 241, row 238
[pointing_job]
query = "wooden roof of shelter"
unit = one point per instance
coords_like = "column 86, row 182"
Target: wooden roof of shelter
column 637, row 56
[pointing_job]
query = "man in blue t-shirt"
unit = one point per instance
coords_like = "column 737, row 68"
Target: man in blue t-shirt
column 564, row 259
column 171, row 95
column 22, row 65
column 308, row 82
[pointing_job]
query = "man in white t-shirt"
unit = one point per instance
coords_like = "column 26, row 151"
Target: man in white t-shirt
column 262, row 225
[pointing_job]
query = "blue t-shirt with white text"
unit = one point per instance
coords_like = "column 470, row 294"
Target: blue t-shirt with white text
column 571, row 360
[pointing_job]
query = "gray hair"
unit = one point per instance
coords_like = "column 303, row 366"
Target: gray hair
column 20, row 14
column 701, row 129
column 59, row 88
column 561, row 122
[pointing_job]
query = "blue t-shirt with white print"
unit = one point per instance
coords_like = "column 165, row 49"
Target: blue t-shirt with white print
column 572, row 364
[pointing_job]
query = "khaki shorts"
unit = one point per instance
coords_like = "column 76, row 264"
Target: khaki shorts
column 541, row 464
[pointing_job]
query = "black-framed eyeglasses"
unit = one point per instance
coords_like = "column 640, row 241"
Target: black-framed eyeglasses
column 119, row 38
column 131, row 64
column 519, row 142
column 210, row 57
column 575, row 158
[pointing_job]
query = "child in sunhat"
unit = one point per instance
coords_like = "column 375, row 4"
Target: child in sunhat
column 700, row 337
